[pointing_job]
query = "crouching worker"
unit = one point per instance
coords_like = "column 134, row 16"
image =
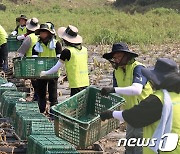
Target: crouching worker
column 158, row 114
column 75, row 58
column 47, row 46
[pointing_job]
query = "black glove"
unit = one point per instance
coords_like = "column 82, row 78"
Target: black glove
column 106, row 90
column 106, row 115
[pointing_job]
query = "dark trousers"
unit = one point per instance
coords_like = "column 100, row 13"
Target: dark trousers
column 41, row 90
column 34, row 85
column 4, row 56
column 76, row 90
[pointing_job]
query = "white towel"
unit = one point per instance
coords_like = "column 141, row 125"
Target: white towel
column 38, row 47
column 52, row 44
column 165, row 124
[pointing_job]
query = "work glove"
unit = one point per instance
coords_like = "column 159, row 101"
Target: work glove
column 21, row 37
column 43, row 73
column 106, row 90
column 106, row 115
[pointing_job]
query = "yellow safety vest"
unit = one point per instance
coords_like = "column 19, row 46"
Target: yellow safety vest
column 148, row 131
column 21, row 31
column 77, row 68
column 34, row 39
column 3, row 35
column 47, row 52
column 125, row 79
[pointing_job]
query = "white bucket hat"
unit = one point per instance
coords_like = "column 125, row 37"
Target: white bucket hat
column 32, row 24
column 70, row 34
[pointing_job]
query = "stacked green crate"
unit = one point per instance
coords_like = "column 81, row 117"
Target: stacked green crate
column 24, row 122
column 6, row 87
column 2, row 81
column 9, row 100
column 8, row 105
column 24, row 107
column 15, row 94
column 43, row 128
column 41, row 144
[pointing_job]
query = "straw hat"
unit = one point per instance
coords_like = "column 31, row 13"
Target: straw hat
column 32, row 24
column 70, row 34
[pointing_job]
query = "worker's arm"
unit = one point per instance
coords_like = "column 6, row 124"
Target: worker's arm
column 65, row 55
column 139, row 81
column 25, row 46
column 145, row 113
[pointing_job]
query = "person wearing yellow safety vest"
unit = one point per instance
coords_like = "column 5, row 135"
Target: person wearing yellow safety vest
column 75, row 57
column 27, row 45
column 158, row 114
column 3, row 49
column 129, row 82
column 20, row 30
column 47, row 46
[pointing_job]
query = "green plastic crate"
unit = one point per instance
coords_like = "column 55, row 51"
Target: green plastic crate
column 30, row 67
column 62, row 152
column 8, row 105
column 40, row 144
column 43, row 128
column 13, row 44
column 3, row 80
column 77, row 119
column 3, row 89
column 24, row 122
column 14, row 94
column 23, row 107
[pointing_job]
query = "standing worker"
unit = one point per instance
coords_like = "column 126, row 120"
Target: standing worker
column 75, row 57
column 47, row 46
column 20, row 30
column 27, row 45
column 158, row 114
column 3, row 49
column 129, row 82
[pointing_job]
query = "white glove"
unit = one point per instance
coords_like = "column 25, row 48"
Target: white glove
column 43, row 73
column 20, row 37
column 14, row 33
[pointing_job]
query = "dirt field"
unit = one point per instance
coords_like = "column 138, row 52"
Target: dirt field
column 100, row 72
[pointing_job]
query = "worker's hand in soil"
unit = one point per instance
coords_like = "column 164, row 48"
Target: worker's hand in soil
column 106, row 90
column 43, row 73
column 106, row 115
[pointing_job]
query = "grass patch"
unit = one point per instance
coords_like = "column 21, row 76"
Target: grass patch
column 99, row 23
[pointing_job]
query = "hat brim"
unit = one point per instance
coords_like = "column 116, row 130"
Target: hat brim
column 153, row 75
column 18, row 19
column 30, row 27
column 37, row 31
column 110, row 55
column 62, row 34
